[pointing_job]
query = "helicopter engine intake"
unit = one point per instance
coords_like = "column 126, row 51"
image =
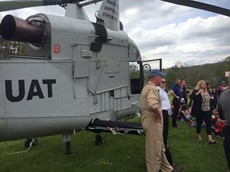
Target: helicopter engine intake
column 16, row 29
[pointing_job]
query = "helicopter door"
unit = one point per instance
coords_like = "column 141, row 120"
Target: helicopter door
column 135, row 77
column 139, row 73
column 147, row 65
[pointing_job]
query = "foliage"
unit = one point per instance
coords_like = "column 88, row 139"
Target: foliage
column 170, row 76
column 118, row 153
column 227, row 58
column 11, row 48
column 213, row 73
column 134, row 71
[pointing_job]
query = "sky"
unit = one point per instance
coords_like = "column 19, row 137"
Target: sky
column 177, row 34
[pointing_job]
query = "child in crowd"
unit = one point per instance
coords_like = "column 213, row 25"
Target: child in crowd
column 217, row 124
column 185, row 113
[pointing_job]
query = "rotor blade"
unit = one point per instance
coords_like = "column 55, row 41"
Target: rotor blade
column 16, row 4
column 201, row 5
column 6, row 5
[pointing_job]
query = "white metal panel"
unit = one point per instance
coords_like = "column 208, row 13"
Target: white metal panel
column 43, row 114
column 121, row 92
column 67, row 33
column 112, row 72
column 81, row 68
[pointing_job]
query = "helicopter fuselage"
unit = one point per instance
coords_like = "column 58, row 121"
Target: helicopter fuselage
column 80, row 72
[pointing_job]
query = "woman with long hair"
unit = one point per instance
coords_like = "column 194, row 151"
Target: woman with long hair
column 202, row 109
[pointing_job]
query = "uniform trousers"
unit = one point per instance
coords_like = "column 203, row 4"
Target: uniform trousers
column 154, row 146
column 165, row 126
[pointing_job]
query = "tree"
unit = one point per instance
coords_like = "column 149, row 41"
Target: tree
column 227, row 59
column 214, row 73
column 11, row 48
column 134, row 71
column 170, row 77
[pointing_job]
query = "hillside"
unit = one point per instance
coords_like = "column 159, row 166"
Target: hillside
column 213, row 73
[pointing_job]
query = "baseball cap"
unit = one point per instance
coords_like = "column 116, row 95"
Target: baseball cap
column 156, row 72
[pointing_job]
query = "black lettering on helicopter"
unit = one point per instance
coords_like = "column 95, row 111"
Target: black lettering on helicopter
column 110, row 16
column 111, row 2
column 111, row 10
column 34, row 89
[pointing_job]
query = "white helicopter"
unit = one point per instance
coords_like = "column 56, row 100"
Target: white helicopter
column 74, row 71
column 75, row 74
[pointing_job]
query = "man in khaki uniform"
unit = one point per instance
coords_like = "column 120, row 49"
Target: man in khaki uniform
column 152, row 123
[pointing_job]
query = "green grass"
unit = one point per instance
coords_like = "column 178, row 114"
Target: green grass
column 123, row 153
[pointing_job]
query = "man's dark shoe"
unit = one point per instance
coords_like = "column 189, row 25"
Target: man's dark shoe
column 178, row 169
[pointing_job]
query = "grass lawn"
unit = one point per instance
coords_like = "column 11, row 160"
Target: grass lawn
column 118, row 153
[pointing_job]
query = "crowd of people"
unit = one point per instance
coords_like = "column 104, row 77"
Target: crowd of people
column 196, row 112
column 201, row 107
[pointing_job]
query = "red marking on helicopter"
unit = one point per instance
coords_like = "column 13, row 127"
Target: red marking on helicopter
column 57, row 48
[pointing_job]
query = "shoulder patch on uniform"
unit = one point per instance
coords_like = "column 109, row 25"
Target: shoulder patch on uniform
column 155, row 91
